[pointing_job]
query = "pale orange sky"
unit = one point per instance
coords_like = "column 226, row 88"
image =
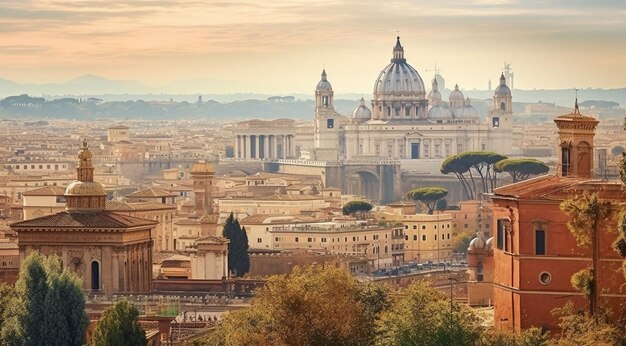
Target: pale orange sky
column 280, row 46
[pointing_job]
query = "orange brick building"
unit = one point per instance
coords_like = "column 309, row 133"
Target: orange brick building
column 535, row 255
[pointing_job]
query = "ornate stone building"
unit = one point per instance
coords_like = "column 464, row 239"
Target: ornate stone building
column 402, row 126
column 111, row 252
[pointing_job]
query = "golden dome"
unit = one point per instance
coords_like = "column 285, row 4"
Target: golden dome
column 84, row 188
column 202, row 167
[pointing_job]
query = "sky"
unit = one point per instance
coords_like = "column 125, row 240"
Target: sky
column 281, row 46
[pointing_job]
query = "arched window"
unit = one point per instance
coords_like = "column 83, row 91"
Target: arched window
column 95, row 275
column 502, row 106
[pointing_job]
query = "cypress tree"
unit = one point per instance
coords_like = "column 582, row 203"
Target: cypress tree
column 238, row 258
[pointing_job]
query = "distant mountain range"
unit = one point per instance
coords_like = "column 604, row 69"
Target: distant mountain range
column 92, row 96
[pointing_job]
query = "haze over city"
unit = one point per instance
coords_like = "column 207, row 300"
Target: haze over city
column 281, row 46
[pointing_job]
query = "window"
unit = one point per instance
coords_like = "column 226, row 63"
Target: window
column 495, row 122
column 330, row 123
column 309, row 240
column 414, row 226
column 540, row 242
column 435, row 237
column 259, row 240
column 423, row 237
column 423, row 226
column 415, row 237
column 296, row 239
column 501, row 234
column 323, row 240
column 545, row 278
column 479, row 272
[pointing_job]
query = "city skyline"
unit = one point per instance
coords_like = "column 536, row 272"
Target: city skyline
column 281, row 47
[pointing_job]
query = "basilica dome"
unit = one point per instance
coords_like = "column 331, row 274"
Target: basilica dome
column 399, row 78
column 467, row 111
column 434, row 96
column 324, row 84
column 362, row 113
column 439, row 112
column 456, row 94
column 502, row 90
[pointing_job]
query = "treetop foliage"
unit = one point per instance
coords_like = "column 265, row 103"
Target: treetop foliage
column 521, row 169
column 119, row 325
column 428, row 196
column 356, row 206
column 467, row 164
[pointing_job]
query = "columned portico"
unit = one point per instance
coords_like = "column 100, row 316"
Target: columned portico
column 264, row 140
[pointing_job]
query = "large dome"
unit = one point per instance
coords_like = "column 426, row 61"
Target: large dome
column 456, row 94
column 399, row 78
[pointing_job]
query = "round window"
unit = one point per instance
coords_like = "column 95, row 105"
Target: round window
column 545, row 278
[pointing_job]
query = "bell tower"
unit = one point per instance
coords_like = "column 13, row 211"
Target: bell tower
column 327, row 139
column 576, row 134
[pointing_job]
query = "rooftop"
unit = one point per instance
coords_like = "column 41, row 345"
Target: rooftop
column 97, row 220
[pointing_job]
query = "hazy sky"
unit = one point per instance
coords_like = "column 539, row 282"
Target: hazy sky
column 279, row 46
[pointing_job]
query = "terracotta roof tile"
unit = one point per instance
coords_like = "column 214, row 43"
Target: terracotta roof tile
column 46, row 191
column 153, row 192
column 102, row 219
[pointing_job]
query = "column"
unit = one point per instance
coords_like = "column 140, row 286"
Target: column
column 274, row 147
column 236, row 148
column 246, row 145
column 257, row 147
column 285, row 155
column 115, row 271
column 266, row 147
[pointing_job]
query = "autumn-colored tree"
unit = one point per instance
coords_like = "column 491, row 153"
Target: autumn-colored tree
column 312, row 306
column 421, row 315
column 588, row 216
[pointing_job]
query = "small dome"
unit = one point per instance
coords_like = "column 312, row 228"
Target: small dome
column 84, row 188
column 362, row 112
column 202, row 167
column 456, row 94
column 502, row 90
column 434, row 96
column 477, row 243
column 439, row 112
column 489, row 243
column 467, row 111
column 324, row 84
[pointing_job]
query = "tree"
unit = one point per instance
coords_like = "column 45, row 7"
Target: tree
column 312, row 306
column 442, row 204
column 588, row 216
column 581, row 328
column 428, row 196
column 421, row 315
column 119, row 326
column 48, row 307
column 7, row 294
column 521, row 169
column 238, row 257
column 482, row 163
column 461, row 240
column 356, row 206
